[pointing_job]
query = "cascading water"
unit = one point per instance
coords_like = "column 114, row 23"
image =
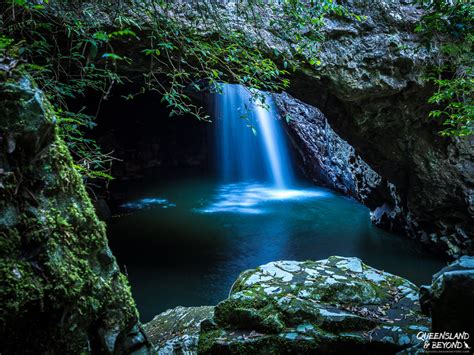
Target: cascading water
column 253, row 159
column 251, row 143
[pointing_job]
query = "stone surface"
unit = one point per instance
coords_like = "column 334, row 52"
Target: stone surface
column 370, row 87
column 338, row 304
column 449, row 299
column 176, row 331
column 61, row 289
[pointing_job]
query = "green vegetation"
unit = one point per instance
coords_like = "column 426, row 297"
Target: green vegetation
column 450, row 26
column 74, row 48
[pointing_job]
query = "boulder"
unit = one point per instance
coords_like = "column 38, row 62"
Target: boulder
column 333, row 305
column 176, row 331
column 449, row 298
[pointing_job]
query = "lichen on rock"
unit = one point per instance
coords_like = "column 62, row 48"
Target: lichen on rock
column 62, row 291
column 337, row 304
column 176, row 331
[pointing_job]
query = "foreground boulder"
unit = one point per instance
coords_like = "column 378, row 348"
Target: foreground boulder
column 338, row 304
column 333, row 305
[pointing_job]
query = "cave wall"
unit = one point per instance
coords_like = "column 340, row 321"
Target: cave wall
column 327, row 159
column 61, row 289
column 370, row 86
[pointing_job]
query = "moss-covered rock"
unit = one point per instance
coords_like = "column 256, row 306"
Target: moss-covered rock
column 333, row 305
column 61, row 290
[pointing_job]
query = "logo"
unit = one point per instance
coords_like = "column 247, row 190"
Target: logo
column 445, row 342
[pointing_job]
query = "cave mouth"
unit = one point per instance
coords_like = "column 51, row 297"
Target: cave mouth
column 177, row 251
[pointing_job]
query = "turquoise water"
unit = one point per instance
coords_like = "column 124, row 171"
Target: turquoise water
column 184, row 242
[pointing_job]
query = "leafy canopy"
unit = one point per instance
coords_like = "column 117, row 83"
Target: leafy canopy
column 72, row 47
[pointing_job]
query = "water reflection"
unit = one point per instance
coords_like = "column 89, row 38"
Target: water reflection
column 253, row 198
column 147, row 203
column 192, row 253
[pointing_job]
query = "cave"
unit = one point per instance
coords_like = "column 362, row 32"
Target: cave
column 182, row 230
column 194, row 177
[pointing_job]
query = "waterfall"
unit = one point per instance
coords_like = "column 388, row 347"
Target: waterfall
column 250, row 141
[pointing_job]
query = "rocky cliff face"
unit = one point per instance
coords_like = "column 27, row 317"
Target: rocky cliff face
column 61, row 289
column 326, row 158
column 370, row 87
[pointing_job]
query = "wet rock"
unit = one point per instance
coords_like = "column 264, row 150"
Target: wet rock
column 102, row 210
column 449, row 298
column 328, row 159
column 134, row 342
column 176, row 331
column 338, row 304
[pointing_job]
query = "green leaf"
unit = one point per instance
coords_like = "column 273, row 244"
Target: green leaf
column 123, row 33
column 152, row 52
column 101, row 36
column 112, row 56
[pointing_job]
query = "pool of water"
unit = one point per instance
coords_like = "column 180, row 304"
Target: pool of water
column 185, row 242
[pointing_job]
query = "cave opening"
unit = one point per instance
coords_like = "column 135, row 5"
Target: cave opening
column 146, row 142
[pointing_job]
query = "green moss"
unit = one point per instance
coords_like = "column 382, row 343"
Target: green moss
column 334, row 305
column 61, row 287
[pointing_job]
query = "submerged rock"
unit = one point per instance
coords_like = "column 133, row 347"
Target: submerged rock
column 176, row 331
column 338, row 304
